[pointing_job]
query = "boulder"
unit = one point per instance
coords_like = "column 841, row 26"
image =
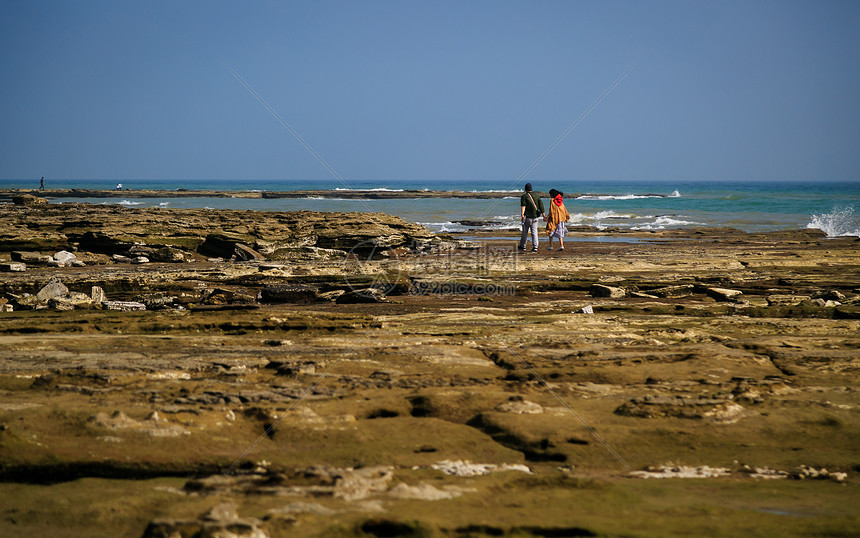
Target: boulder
column 600, row 290
column 674, row 292
column 830, row 295
column 367, row 295
column 30, row 257
column 167, row 254
column 54, row 288
column 245, row 253
column 97, row 294
column 785, row 300
column 723, row 294
column 126, row 306
column 28, row 200
column 221, row 512
column 71, row 301
column 64, row 257
column 27, row 302
column 13, row 267
column 289, row 293
column 330, row 295
column 160, row 302
column 520, row 407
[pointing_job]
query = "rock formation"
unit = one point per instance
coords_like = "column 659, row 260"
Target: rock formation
column 330, row 390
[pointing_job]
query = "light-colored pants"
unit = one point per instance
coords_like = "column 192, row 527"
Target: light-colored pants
column 530, row 224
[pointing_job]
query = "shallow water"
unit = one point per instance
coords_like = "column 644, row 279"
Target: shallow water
column 634, row 205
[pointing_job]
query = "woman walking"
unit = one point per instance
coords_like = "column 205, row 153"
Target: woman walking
column 558, row 215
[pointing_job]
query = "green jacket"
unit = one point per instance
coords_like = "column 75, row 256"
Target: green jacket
column 531, row 213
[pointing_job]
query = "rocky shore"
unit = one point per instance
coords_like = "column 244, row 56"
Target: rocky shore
column 206, row 372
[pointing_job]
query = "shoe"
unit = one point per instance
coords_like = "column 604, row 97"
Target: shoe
column 521, row 248
column 549, row 248
column 561, row 248
column 534, row 250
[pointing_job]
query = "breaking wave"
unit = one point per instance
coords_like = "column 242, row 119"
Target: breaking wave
column 675, row 194
column 840, row 222
column 663, row 222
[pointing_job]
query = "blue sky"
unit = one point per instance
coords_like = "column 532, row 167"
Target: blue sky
column 753, row 90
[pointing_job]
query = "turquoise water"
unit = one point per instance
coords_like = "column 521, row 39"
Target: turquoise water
column 641, row 205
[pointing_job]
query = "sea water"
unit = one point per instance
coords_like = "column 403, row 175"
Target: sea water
column 633, row 205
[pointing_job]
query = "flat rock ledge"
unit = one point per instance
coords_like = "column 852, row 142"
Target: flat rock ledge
column 115, row 234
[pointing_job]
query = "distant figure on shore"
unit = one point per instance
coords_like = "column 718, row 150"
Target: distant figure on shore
column 42, row 184
column 558, row 215
column 531, row 209
column 119, row 186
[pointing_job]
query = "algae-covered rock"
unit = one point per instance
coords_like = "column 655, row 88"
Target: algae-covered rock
column 29, row 200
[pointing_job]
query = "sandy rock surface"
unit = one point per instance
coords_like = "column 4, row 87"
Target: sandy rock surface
column 218, row 392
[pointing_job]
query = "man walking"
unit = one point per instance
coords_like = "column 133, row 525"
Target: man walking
column 531, row 209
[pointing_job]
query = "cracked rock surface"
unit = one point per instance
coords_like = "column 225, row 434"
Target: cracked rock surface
column 450, row 407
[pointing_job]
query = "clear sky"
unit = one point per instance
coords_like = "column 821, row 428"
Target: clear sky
column 471, row 89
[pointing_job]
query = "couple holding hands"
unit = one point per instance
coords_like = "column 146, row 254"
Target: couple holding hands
column 531, row 209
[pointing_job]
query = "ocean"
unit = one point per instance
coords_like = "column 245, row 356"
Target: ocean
column 633, row 205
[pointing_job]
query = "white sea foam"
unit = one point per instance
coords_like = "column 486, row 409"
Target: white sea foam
column 164, row 204
column 609, row 214
column 675, row 194
column 505, row 191
column 842, row 221
column 128, row 202
column 379, row 189
column 617, row 196
column 444, row 227
column 661, row 223
column 669, row 221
